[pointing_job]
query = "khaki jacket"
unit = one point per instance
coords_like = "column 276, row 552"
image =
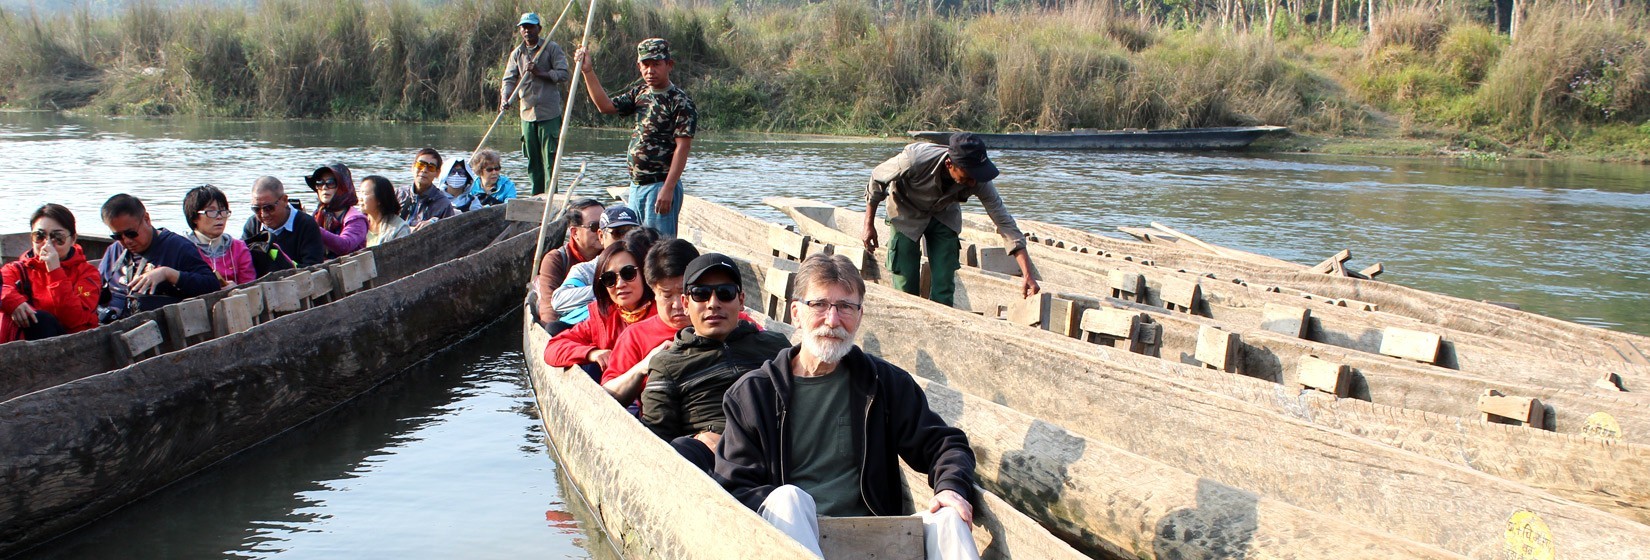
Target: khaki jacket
column 921, row 190
column 540, row 97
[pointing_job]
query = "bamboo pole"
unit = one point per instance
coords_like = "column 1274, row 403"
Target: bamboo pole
column 561, row 142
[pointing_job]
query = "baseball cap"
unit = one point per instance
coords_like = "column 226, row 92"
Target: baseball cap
column 968, row 152
column 708, row 262
column 653, row 49
column 619, row 216
column 529, row 18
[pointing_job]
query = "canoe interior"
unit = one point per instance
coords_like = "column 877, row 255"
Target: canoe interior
column 95, row 351
column 77, row 450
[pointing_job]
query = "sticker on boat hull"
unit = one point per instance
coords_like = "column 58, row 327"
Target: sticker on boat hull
column 1528, row 538
column 1602, row 424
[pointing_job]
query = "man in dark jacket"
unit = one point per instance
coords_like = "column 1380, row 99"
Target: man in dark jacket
column 147, row 268
column 683, row 398
column 821, row 428
column 295, row 237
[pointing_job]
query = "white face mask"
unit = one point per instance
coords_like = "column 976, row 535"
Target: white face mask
column 456, row 180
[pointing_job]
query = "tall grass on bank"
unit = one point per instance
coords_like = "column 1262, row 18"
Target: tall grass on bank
column 844, row 66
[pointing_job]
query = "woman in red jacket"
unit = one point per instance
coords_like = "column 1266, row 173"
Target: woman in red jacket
column 623, row 298
column 52, row 290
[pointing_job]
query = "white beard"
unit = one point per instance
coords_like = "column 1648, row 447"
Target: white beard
column 829, row 350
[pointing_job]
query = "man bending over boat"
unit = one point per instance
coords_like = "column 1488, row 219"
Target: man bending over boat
column 278, row 231
column 820, row 429
column 928, row 184
column 682, row 401
column 666, row 122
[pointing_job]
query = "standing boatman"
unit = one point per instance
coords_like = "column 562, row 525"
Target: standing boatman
column 929, row 183
column 536, row 67
column 666, row 121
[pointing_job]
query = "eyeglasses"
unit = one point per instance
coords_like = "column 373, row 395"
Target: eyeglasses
column 844, row 308
column 129, row 234
column 627, row 273
column 421, row 164
column 58, row 236
column 217, row 213
column 723, row 292
column 491, row 169
column 263, row 208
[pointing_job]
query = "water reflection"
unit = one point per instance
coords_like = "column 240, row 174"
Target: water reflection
column 444, row 460
column 1566, row 239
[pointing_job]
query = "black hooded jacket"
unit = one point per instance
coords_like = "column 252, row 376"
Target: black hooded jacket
column 896, row 424
column 685, row 384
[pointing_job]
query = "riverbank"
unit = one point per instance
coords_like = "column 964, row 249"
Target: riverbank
column 1572, row 85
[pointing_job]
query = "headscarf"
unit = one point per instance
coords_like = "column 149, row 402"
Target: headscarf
column 331, row 216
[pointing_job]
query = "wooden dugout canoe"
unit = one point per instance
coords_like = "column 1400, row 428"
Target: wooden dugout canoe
column 1214, row 436
column 1496, row 359
column 99, row 350
column 1214, row 138
column 653, row 504
column 76, row 451
column 1406, row 399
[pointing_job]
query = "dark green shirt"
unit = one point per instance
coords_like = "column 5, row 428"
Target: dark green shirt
column 820, row 432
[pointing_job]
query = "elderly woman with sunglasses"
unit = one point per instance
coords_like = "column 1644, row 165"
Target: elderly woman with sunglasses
column 491, row 186
column 623, row 299
column 52, row 290
column 206, row 210
column 343, row 227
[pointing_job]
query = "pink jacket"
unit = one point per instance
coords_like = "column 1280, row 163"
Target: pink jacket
column 234, row 265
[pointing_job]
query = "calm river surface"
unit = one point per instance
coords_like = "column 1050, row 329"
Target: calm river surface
column 447, row 460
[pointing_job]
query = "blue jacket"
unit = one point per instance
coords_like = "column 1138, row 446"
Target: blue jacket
column 168, row 249
column 503, row 192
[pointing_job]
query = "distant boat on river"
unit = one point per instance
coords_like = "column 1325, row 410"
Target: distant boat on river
column 1221, row 138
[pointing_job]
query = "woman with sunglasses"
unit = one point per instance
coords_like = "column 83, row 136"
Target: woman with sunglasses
column 206, row 210
column 52, row 290
column 623, row 299
column 491, row 186
column 343, row 227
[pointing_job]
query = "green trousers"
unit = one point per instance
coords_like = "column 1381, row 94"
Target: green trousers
column 538, row 143
column 905, row 262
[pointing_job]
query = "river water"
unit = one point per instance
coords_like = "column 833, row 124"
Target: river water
column 447, row 460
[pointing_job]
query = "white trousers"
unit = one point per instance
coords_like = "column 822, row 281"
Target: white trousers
column 945, row 535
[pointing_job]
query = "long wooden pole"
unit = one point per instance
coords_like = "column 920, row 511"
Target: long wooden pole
column 515, row 90
column 561, row 142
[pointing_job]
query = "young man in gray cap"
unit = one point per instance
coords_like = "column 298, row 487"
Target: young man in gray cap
column 535, row 67
column 929, row 183
column 666, row 122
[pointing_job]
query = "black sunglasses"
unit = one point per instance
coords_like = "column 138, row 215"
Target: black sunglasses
column 58, row 236
column 702, row 292
column 627, row 272
column 129, row 234
column 263, row 208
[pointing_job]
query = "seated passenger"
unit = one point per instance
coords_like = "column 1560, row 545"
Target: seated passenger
column 622, row 300
column 206, row 210
column 682, row 402
column 423, row 203
column 280, row 235
column 849, row 419
column 383, row 211
column 455, row 181
column 571, row 301
column 626, row 371
column 491, row 186
column 581, row 245
column 343, row 227
column 52, row 290
column 148, row 268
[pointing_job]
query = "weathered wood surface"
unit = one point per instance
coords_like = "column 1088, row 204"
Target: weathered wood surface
column 1588, row 345
column 76, row 451
column 1475, row 358
column 1513, row 453
column 95, row 351
column 1135, row 507
column 872, row 538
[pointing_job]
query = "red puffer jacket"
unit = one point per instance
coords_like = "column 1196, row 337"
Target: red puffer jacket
column 69, row 293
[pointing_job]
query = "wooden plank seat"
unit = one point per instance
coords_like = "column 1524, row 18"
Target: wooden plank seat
column 187, row 322
column 232, row 315
column 140, row 341
column 788, row 244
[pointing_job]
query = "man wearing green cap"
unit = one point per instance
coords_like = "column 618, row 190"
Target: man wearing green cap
column 665, row 124
column 535, row 67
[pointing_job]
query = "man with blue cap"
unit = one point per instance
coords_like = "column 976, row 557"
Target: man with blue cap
column 927, row 184
column 536, row 67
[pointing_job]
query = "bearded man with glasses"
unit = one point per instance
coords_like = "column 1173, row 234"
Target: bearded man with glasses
column 682, row 398
column 821, row 428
